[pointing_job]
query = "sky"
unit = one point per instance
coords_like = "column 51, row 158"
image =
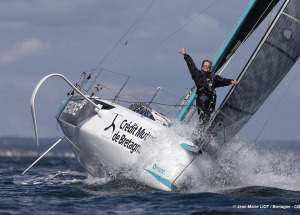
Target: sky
column 72, row 36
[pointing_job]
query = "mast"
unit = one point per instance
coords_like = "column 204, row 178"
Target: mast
column 253, row 15
column 273, row 58
column 220, row 53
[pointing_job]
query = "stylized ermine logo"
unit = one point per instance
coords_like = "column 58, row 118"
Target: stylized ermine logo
column 111, row 125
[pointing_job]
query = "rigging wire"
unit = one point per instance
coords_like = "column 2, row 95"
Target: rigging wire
column 141, row 18
column 180, row 28
column 135, row 26
column 185, row 168
column 224, row 42
column 271, row 14
column 162, row 90
column 118, row 42
column 219, row 108
column 277, row 105
column 250, row 32
column 125, row 93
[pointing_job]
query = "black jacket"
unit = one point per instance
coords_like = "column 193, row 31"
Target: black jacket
column 202, row 78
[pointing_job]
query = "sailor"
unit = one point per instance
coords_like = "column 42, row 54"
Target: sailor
column 206, row 82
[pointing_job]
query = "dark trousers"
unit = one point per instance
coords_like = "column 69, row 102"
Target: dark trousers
column 204, row 102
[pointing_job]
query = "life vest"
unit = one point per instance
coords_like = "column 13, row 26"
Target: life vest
column 210, row 82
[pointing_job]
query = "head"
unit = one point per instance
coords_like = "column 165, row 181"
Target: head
column 206, row 65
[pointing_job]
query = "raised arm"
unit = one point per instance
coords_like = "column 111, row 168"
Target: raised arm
column 190, row 63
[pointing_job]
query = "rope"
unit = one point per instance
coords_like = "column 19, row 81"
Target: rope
column 280, row 100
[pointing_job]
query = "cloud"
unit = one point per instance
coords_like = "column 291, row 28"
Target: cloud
column 203, row 26
column 26, row 48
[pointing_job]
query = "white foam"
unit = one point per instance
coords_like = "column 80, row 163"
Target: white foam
column 163, row 156
column 91, row 180
column 60, row 177
column 240, row 164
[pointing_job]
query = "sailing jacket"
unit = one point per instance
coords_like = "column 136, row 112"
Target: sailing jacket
column 206, row 82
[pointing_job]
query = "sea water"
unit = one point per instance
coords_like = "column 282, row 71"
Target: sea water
column 246, row 179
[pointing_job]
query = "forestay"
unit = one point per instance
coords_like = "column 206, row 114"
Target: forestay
column 271, row 61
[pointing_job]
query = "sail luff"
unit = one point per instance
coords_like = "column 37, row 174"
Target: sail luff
column 225, row 50
column 274, row 56
column 252, row 57
column 231, row 36
column 256, row 13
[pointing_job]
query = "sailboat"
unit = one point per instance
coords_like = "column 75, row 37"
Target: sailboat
column 103, row 132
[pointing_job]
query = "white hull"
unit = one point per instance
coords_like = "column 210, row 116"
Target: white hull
column 116, row 136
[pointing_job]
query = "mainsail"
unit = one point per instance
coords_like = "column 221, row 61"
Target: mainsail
column 271, row 61
column 253, row 15
column 257, row 11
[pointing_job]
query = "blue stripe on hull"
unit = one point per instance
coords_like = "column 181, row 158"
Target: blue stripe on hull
column 162, row 180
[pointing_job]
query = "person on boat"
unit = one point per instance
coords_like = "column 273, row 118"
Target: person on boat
column 206, row 82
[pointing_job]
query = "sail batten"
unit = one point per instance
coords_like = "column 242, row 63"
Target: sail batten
column 271, row 61
column 288, row 15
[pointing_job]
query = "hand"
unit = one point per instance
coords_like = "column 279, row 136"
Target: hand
column 182, row 51
column 234, row 82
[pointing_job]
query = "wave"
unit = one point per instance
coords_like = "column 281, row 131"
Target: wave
column 245, row 165
column 239, row 164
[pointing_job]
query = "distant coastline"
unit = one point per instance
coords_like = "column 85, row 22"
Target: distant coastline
column 26, row 146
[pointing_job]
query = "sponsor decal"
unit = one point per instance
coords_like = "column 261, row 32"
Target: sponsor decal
column 162, row 180
column 112, row 125
column 126, row 142
column 135, row 130
column 73, row 107
column 126, row 133
column 158, row 169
